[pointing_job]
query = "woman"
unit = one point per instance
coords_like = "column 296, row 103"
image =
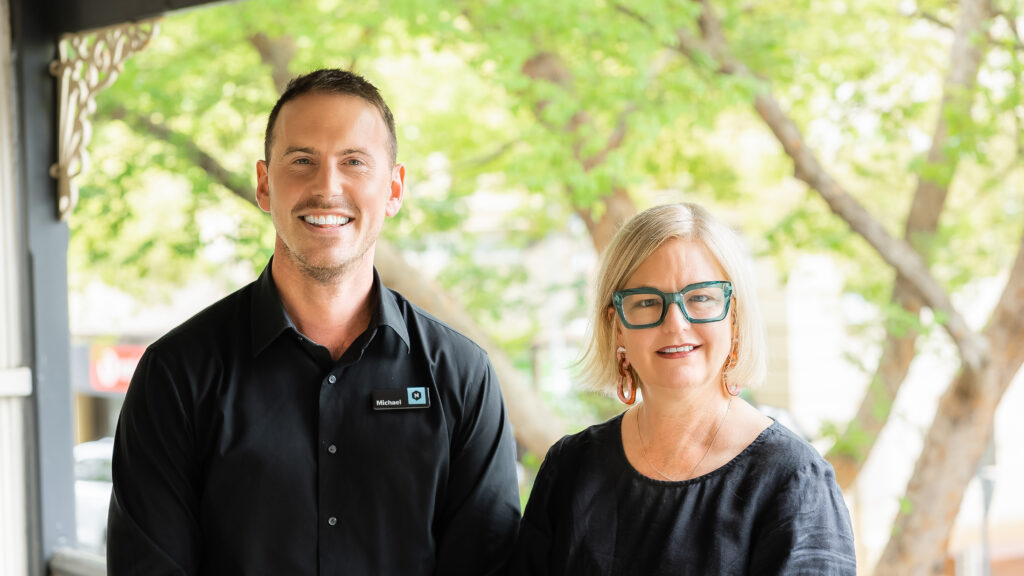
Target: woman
column 691, row 479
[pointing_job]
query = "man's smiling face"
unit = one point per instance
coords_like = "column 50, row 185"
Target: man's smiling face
column 329, row 183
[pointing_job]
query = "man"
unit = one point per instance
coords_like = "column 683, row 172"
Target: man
column 316, row 422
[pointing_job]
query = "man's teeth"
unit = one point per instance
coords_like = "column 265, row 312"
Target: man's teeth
column 329, row 220
column 675, row 350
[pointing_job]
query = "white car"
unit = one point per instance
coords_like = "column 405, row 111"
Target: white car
column 92, row 493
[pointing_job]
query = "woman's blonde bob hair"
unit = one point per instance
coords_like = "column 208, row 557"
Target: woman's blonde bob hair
column 640, row 237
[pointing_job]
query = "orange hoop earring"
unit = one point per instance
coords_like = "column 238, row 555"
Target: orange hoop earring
column 730, row 363
column 734, row 353
column 627, row 391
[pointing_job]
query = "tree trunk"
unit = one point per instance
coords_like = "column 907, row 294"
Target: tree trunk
column 852, row 449
column 955, row 442
column 619, row 207
column 952, row 451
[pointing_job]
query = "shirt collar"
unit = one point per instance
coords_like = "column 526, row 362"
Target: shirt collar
column 388, row 311
column 269, row 318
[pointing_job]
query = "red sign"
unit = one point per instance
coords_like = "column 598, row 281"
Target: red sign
column 111, row 367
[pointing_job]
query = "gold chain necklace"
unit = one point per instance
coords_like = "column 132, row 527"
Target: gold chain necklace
column 643, row 448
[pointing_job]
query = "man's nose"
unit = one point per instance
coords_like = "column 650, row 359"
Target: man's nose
column 330, row 181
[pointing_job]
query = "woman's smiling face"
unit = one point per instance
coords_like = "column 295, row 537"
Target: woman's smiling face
column 677, row 354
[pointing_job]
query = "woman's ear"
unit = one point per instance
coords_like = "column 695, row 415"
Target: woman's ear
column 618, row 326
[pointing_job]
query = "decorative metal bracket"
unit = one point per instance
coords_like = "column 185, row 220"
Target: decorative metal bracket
column 89, row 63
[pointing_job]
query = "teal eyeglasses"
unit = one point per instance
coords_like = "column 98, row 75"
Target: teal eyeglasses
column 700, row 303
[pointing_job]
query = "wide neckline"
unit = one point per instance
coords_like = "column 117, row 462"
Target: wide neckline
column 721, row 469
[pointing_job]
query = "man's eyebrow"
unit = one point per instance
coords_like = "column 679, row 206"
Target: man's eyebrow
column 348, row 151
column 295, row 149
column 308, row 150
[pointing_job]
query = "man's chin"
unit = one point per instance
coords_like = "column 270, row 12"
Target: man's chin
column 323, row 274
column 324, row 270
column 324, row 264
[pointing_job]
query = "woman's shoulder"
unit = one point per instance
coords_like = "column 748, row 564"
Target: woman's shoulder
column 604, row 437
column 806, row 523
column 787, row 449
column 594, row 435
column 788, row 460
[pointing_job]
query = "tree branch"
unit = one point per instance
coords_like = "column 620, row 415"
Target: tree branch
column 897, row 253
column 1006, row 326
column 622, row 8
column 932, row 18
column 238, row 186
column 550, row 67
column 615, row 139
column 485, row 158
column 855, row 445
column 1011, row 23
column 276, row 53
column 619, row 207
column 364, row 40
column 1017, row 41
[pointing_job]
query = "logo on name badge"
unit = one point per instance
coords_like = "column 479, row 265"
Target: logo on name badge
column 417, row 396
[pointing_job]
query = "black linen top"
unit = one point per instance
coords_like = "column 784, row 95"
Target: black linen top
column 242, row 448
column 774, row 509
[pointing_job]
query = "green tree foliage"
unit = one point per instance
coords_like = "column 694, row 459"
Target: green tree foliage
column 861, row 80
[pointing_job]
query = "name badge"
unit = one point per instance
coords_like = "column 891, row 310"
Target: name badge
column 401, row 398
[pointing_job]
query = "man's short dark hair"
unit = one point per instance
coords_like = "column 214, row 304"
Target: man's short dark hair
column 333, row 81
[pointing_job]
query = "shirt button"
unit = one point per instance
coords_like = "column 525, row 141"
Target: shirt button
column 332, row 448
column 332, row 379
column 332, row 520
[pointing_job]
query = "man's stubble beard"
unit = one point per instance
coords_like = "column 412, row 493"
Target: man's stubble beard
column 325, row 275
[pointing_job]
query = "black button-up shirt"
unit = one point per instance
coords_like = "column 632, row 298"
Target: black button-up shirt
column 243, row 448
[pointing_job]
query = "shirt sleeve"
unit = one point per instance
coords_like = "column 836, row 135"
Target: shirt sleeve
column 152, row 527
column 532, row 555
column 479, row 511
column 809, row 531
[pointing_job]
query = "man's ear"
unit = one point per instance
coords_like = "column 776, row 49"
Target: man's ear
column 262, row 186
column 397, row 190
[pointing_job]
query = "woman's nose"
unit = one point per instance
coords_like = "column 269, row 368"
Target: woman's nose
column 674, row 316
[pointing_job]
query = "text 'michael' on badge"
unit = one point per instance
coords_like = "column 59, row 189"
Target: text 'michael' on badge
column 409, row 398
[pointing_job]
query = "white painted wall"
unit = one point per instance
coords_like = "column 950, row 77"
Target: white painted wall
column 15, row 381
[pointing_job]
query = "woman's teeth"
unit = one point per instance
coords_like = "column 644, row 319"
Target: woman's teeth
column 675, row 350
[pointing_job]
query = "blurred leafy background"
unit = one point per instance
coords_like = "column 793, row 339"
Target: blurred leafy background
column 532, row 128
